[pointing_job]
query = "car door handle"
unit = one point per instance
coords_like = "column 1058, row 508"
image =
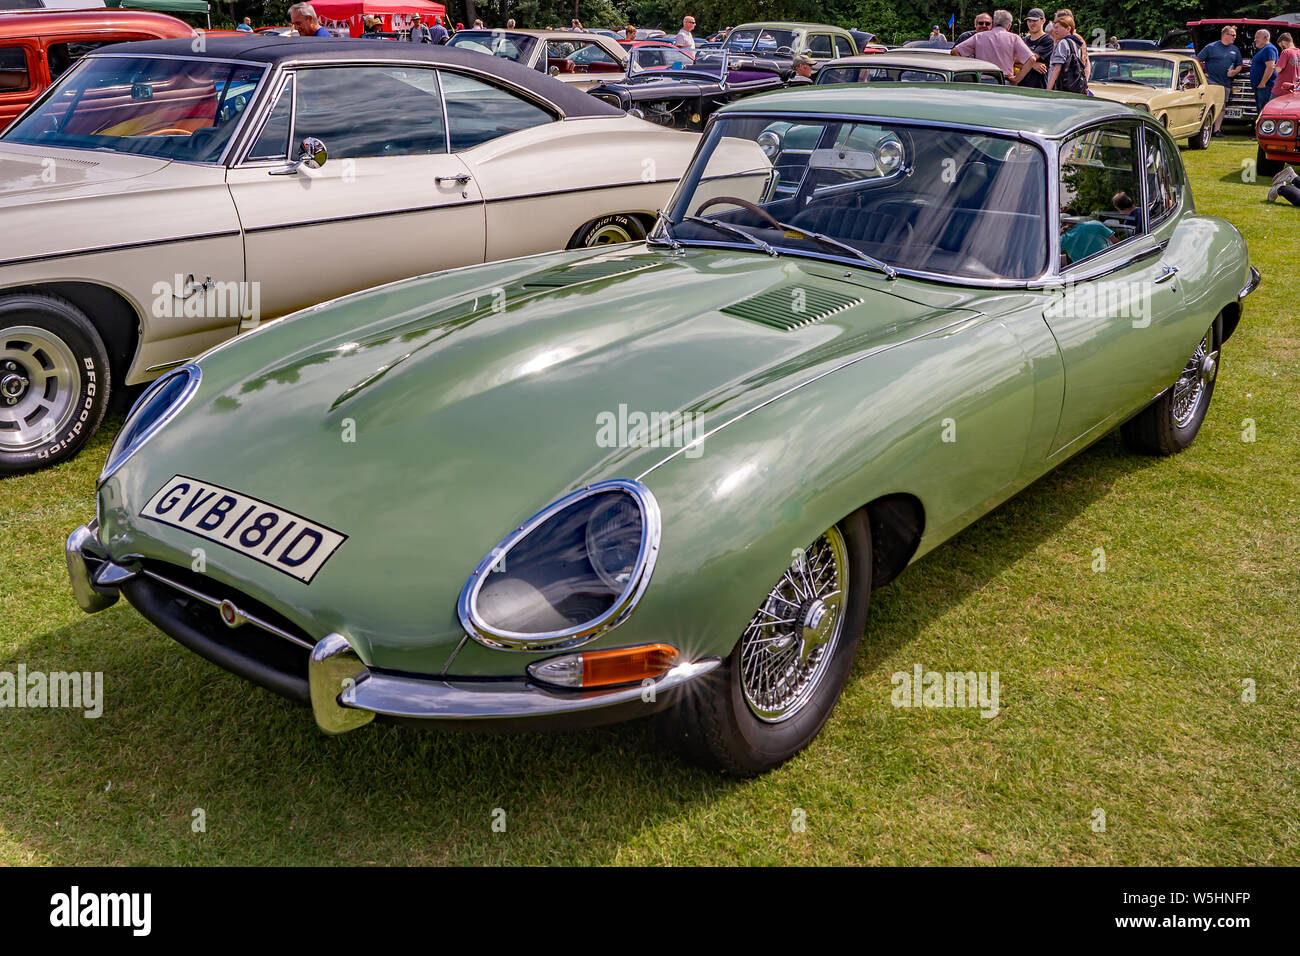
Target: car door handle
column 460, row 179
column 1167, row 272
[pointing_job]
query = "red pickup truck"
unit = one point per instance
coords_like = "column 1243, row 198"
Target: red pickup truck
column 37, row 46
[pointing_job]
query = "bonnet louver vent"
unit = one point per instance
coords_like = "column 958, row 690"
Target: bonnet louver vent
column 791, row 307
column 586, row 272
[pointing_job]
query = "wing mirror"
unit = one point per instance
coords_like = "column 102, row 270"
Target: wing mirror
column 311, row 155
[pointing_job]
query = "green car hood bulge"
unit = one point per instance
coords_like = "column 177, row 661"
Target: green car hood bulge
column 426, row 419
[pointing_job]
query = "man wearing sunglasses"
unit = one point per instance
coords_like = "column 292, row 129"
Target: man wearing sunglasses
column 983, row 21
column 1222, row 61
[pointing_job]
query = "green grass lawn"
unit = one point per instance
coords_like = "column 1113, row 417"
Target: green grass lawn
column 1120, row 691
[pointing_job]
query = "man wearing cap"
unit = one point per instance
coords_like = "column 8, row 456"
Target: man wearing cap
column 419, row 32
column 1041, row 43
column 999, row 45
column 803, row 68
column 936, row 33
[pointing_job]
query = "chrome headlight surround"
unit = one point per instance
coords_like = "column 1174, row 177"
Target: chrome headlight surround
column 154, row 409
column 577, row 635
column 1267, row 127
column 1285, row 127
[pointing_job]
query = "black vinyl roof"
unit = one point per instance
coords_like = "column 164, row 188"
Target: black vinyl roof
column 273, row 50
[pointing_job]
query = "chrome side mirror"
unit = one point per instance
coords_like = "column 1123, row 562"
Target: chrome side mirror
column 311, row 155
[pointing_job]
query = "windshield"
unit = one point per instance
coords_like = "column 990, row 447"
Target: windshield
column 1132, row 69
column 959, row 203
column 878, row 74
column 760, row 41
column 661, row 62
column 174, row 109
column 509, row 46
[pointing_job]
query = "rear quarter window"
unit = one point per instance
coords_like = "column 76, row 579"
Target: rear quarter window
column 14, row 73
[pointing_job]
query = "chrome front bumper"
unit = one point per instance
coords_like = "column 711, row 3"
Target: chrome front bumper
column 343, row 692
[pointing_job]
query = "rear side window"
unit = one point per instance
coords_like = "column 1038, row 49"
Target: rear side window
column 14, row 76
column 843, row 47
column 1100, row 191
column 61, row 56
column 1162, row 193
column 819, row 45
column 370, row 111
column 478, row 112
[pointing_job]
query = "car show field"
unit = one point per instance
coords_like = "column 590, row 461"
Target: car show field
column 1137, row 616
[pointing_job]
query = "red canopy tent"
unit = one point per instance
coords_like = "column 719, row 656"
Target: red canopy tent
column 396, row 14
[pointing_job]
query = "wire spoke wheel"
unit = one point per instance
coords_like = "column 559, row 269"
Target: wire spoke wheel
column 1194, row 381
column 39, row 383
column 788, row 645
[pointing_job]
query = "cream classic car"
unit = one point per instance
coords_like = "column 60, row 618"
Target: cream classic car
column 581, row 59
column 1170, row 86
column 158, row 200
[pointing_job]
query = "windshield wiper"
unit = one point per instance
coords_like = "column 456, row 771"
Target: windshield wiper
column 730, row 230
column 669, row 239
column 889, row 271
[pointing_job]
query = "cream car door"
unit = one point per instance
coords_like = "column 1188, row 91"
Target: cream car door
column 389, row 202
column 1189, row 112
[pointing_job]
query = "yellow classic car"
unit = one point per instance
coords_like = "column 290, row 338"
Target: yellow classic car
column 1172, row 87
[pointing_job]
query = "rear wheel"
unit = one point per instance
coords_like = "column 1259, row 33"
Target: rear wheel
column 609, row 230
column 54, row 381
column 774, row 692
column 1202, row 138
column 1170, row 423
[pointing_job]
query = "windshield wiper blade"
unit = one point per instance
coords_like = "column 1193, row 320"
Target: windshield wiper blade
column 732, row 231
column 889, row 271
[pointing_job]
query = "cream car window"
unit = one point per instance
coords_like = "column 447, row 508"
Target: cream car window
column 371, row 111
column 478, row 112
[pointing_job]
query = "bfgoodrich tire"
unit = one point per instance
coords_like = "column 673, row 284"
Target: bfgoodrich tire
column 54, row 381
column 608, row 230
column 772, row 695
column 1170, row 423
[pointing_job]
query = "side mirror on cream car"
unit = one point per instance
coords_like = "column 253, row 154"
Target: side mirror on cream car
column 311, row 155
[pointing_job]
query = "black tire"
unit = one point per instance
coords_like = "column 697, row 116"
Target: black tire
column 714, row 725
column 1162, row 428
column 608, row 230
column 1202, row 138
column 1265, row 166
column 54, row 378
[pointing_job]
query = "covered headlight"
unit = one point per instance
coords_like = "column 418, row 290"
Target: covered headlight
column 163, row 399
column 1267, row 127
column 769, row 142
column 889, row 155
column 568, row 574
column 1286, row 127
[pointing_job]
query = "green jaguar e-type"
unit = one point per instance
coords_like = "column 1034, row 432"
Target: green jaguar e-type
column 665, row 477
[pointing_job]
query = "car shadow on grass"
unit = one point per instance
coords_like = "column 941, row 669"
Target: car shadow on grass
column 191, row 765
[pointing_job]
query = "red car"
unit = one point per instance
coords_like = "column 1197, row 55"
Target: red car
column 1278, row 133
column 37, row 46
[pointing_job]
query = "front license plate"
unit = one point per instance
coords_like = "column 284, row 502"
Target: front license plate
column 1232, row 112
column 281, row 539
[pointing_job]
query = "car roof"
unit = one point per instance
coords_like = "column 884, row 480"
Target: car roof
column 916, row 61
column 16, row 23
column 1001, row 108
column 788, row 25
column 1139, row 55
column 257, row 48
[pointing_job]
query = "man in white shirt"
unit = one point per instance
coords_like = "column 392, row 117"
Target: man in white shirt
column 684, row 40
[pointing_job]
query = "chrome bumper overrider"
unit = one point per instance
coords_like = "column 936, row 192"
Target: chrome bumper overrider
column 1251, row 285
column 346, row 694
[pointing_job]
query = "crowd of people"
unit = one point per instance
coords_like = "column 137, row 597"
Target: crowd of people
column 1051, row 58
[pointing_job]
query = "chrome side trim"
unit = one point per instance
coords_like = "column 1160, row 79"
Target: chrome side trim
column 213, row 602
column 1251, row 284
column 467, row 604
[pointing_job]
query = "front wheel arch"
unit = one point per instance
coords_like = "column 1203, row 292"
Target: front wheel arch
column 640, row 222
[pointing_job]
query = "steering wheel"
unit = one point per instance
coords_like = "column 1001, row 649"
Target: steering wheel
column 743, row 203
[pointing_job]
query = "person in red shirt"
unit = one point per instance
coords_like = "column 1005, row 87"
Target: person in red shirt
column 1288, row 66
